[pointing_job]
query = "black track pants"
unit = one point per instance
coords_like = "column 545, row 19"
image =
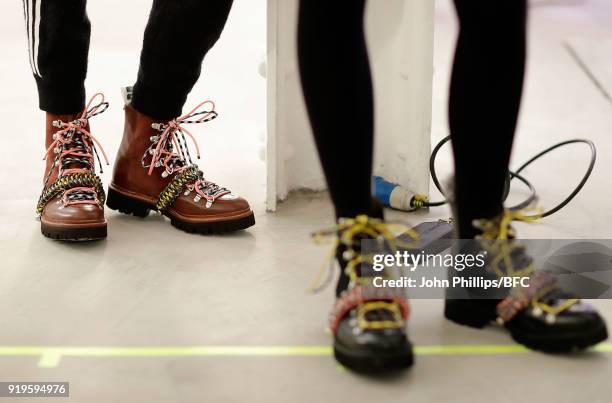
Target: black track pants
column 485, row 96
column 177, row 37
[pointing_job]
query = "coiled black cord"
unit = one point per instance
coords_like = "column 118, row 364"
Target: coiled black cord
column 515, row 175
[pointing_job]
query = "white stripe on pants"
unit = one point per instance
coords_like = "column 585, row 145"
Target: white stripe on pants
column 32, row 17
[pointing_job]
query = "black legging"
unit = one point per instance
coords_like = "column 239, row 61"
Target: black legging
column 177, row 37
column 485, row 96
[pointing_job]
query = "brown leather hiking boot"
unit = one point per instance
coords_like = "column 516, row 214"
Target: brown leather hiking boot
column 71, row 206
column 154, row 171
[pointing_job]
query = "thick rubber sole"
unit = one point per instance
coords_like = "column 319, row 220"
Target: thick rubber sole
column 563, row 342
column 217, row 227
column 74, row 234
column 127, row 205
column 370, row 362
column 471, row 313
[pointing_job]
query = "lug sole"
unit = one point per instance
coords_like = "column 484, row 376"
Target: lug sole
column 127, row 205
column 74, row 234
column 375, row 362
column 471, row 313
column 217, row 227
column 563, row 342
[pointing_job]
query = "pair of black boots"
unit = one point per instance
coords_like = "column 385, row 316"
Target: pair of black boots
column 369, row 323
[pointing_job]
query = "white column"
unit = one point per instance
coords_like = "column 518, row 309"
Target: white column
column 400, row 41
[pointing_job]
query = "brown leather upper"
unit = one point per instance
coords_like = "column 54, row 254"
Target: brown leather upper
column 131, row 179
column 55, row 212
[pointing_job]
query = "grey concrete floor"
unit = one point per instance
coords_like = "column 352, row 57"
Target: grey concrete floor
column 246, row 290
column 64, row 307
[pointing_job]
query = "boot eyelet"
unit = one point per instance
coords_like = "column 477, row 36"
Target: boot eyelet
column 348, row 255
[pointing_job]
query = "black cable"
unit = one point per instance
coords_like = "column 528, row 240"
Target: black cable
column 532, row 192
column 583, row 181
column 432, row 165
column 516, row 175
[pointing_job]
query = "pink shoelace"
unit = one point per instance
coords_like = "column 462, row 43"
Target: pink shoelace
column 170, row 150
column 75, row 148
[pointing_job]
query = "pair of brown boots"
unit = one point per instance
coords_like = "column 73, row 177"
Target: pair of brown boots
column 153, row 171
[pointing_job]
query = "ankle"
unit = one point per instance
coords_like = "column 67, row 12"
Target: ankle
column 466, row 223
column 345, row 252
column 374, row 210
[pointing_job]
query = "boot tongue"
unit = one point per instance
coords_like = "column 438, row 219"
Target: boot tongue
column 367, row 245
column 51, row 170
column 79, row 145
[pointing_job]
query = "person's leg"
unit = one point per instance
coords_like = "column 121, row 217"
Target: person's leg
column 153, row 168
column 177, row 37
column 369, row 333
column 58, row 39
column 485, row 97
column 337, row 85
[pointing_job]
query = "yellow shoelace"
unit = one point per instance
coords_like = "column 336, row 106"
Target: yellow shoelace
column 345, row 232
column 502, row 245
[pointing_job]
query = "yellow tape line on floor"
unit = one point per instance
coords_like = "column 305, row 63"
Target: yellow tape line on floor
column 50, row 357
